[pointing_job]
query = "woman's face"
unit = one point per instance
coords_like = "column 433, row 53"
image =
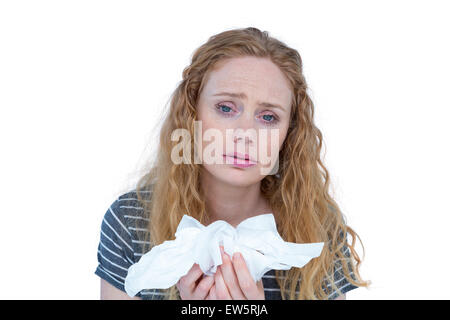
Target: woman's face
column 261, row 101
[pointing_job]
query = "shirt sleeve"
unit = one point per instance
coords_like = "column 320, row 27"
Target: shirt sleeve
column 115, row 252
column 340, row 280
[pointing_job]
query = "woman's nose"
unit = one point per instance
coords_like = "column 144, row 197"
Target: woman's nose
column 245, row 134
column 246, row 122
column 245, row 138
column 244, row 131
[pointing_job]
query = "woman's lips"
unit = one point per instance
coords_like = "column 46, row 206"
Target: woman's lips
column 239, row 162
column 240, row 156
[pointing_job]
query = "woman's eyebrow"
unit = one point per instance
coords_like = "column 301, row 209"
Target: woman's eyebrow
column 243, row 96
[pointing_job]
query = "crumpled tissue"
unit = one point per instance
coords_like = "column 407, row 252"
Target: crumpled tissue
column 256, row 238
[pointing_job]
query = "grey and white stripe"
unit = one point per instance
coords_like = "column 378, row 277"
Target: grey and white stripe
column 121, row 243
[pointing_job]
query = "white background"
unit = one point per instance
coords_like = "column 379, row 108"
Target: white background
column 83, row 85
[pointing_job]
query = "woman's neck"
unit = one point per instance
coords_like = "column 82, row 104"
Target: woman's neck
column 232, row 204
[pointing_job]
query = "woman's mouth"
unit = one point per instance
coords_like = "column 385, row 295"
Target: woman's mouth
column 239, row 160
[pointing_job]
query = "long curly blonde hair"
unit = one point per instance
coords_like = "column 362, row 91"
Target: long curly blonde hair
column 299, row 195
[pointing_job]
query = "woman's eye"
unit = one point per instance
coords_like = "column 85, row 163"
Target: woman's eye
column 267, row 119
column 224, row 109
column 270, row 119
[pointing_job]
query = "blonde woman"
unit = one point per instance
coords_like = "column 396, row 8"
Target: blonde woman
column 238, row 80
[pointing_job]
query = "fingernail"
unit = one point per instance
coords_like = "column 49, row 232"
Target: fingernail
column 237, row 256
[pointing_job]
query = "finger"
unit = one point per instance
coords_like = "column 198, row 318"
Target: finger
column 208, row 297
column 230, row 278
column 203, row 287
column 260, row 286
column 212, row 293
column 246, row 282
column 187, row 282
column 221, row 289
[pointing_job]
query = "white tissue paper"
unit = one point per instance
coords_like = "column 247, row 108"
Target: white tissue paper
column 256, row 238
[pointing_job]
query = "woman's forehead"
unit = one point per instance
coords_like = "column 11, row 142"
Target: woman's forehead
column 250, row 79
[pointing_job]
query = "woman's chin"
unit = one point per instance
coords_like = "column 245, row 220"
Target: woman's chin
column 237, row 176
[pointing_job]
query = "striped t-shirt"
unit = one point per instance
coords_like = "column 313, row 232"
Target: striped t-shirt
column 120, row 246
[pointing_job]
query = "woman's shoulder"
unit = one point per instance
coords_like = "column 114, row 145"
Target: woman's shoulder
column 125, row 210
column 123, row 236
column 127, row 219
column 129, row 206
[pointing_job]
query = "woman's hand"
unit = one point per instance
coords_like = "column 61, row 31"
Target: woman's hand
column 233, row 281
column 193, row 286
